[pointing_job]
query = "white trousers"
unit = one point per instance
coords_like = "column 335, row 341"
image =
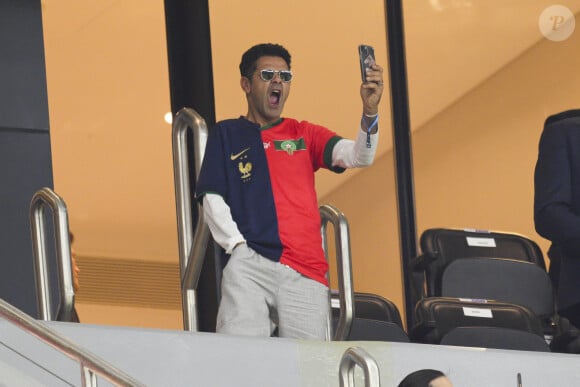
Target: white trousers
column 258, row 294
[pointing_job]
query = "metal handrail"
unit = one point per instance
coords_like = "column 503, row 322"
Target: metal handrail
column 42, row 198
column 192, row 248
column 90, row 364
column 329, row 213
column 358, row 356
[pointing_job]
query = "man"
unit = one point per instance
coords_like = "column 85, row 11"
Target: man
column 259, row 200
column 557, row 207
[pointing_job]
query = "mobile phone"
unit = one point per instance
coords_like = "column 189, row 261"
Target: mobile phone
column 366, row 56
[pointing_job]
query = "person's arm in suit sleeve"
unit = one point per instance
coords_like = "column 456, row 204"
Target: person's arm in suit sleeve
column 553, row 209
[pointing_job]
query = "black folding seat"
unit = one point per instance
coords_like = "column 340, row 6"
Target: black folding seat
column 375, row 307
column 440, row 320
column 375, row 319
column 492, row 265
column 441, row 246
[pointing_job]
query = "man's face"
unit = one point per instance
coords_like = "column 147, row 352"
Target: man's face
column 266, row 98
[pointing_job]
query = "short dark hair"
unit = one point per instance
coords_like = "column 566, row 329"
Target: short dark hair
column 251, row 56
column 420, row 378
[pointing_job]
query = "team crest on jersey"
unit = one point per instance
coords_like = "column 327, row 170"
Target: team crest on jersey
column 290, row 146
column 245, row 167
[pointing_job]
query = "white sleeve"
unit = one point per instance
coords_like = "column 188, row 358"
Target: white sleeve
column 218, row 217
column 354, row 154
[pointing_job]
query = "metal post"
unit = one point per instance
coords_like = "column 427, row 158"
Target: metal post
column 402, row 148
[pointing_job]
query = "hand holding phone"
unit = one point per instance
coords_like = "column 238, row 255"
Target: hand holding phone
column 367, row 59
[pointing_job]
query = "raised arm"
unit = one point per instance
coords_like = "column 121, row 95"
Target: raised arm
column 361, row 152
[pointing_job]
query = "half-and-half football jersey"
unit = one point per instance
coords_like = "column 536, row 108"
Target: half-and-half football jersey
column 266, row 177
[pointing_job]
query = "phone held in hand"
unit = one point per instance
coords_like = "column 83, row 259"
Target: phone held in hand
column 367, row 59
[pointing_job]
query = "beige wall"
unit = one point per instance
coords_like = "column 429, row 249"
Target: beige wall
column 108, row 91
column 477, row 109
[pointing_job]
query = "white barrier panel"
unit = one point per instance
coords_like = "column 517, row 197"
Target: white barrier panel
column 178, row 358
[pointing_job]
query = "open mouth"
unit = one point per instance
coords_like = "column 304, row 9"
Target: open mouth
column 275, row 97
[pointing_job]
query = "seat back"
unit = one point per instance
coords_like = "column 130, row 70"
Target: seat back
column 441, row 246
column 437, row 316
column 375, row 318
column 508, row 280
column 373, row 306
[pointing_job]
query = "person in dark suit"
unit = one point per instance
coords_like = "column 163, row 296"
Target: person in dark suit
column 557, row 207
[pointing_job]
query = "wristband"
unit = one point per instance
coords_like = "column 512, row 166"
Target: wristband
column 370, row 128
